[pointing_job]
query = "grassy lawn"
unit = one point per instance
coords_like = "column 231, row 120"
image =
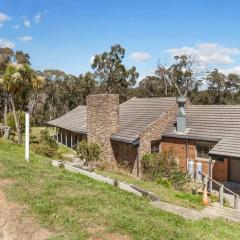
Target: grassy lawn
column 69, row 204
column 164, row 193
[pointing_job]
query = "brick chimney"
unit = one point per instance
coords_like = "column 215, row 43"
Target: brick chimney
column 103, row 121
column 181, row 115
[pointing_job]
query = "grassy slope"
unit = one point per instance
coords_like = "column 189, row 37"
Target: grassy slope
column 69, row 203
column 165, row 194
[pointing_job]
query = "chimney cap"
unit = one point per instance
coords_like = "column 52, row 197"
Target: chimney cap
column 181, row 99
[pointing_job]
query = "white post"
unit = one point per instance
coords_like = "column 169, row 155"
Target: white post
column 27, row 136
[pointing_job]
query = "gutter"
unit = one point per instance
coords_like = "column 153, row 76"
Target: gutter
column 189, row 137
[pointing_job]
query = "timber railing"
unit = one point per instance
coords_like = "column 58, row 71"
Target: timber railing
column 222, row 188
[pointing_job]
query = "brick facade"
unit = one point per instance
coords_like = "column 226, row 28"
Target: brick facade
column 151, row 133
column 182, row 149
column 103, row 121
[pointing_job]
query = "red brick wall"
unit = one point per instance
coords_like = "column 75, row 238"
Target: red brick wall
column 220, row 169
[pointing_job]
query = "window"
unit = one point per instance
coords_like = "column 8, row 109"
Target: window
column 218, row 159
column 203, row 149
column 155, row 146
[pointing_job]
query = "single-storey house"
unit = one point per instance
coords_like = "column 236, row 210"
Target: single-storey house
column 125, row 132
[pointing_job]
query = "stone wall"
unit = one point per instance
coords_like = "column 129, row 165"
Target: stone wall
column 103, row 121
column 151, row 133
column 179, row 146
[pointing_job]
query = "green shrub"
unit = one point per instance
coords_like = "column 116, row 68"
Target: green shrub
column 46, row 139
column 11, row 122
column 88, row 151
column 163, row 168
column 44, row 150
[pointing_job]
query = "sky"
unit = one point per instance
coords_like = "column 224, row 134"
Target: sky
column 65, row 34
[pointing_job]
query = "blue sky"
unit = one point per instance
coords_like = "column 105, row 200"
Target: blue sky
column 65, row 34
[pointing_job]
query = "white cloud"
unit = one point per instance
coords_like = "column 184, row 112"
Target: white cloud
column 16, row 26
column 235, row 69
column 26, row 22
column 38, row 17
column 208, row 53
column 91, row 59
column 4, row 17
column 140, row 56
column 6, row 43
column 25, row 38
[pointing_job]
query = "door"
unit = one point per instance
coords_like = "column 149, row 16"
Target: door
column 234, row 170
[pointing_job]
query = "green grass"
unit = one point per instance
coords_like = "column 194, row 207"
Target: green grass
column 69, row 203
column 164, row 193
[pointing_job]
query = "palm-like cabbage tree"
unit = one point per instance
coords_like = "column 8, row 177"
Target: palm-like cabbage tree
column 12, row 82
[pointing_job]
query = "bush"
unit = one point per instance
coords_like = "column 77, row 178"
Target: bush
column 11, row 122
column 44, row 149
column 46, row 145
column 88, row 151
column 46, row 139
column 163, row 168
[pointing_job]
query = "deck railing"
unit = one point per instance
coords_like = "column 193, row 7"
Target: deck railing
column 222, row 188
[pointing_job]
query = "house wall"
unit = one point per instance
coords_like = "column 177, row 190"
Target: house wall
column 179, row 146
column 125, row 154
column 151, row 133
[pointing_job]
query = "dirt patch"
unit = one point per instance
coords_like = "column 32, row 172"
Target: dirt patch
column 100, row 233
column 14, row 225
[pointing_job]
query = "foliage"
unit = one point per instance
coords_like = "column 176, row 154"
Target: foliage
column 52, row 93
column 181, row 77
column 46, row 139
column 88, row 151
column 43, row 149
column 112, row 74
column 21, row 119
column 163, row 168
column 19, row 84
column 45, row 145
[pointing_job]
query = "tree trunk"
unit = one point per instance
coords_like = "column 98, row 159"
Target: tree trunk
column 19, row 133
column 5, row 111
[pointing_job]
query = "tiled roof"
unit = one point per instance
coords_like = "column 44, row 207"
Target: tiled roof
column 227, row 147
column 75, row 120
column 218, row 123
column 134, row 116
column 138, row 113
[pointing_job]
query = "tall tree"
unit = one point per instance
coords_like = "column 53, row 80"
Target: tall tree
column 6, row 55
column 216, row 86
column 111, row 73
column 181, row 77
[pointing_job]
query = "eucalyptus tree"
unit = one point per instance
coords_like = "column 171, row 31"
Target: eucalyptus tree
column 182, row 76
column 111, row 73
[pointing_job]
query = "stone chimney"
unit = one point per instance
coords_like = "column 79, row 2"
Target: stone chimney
column 103, row 121
column 181, row 115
